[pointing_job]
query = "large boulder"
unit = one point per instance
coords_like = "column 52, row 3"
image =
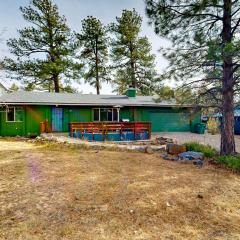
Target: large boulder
column 190, row 155
column 164, row 141
column 175, row 148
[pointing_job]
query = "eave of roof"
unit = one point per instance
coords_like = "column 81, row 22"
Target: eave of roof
column 2, row 86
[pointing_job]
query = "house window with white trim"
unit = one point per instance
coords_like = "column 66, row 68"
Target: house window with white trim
column 14, row 114
column 105, row 115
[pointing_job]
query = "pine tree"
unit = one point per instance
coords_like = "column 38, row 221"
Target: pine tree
column 94, row 52
column 43, row 52
column 205, row 51
column 131, row 54
column 14, row 87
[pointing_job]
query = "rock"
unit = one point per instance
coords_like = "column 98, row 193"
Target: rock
column 200, row 196
column 167, row 158
column 198, row 163
column 170, row 158
column 186, row 161
column 148, row 149
column 164, row 141
column 168, row 204
column 191, row 155
column 175, row 148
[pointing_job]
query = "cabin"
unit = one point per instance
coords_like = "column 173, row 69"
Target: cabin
column 32, row 113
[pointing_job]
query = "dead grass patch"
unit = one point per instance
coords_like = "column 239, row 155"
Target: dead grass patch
column 59, row 192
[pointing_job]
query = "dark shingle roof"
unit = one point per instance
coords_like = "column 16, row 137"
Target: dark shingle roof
column 46, row 98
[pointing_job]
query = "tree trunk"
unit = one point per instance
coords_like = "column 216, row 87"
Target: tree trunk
column 133, row 79
column 97, row 87
column 133, row 75
column 97, row 78
column 56, row 83
column 97, row 72
column 227, row 132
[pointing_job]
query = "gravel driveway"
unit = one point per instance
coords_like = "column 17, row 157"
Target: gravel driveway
column 213, row 140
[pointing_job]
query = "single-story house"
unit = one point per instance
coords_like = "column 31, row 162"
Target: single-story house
column 22, row 112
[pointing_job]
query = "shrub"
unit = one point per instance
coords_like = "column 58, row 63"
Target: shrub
column 207, row 150
column 230, row 161
column 213, row 126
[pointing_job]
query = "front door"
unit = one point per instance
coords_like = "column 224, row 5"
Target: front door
column 57, row 119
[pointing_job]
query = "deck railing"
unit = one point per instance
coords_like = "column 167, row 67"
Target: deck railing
column 105, row 128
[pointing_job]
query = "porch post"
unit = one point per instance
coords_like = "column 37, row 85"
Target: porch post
column 118, row 110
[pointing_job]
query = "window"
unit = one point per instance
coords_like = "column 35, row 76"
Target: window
column 14, row 114
column 105, row 114
column 115, row 114
column 96, row 117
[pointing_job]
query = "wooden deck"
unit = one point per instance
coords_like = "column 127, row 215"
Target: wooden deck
column 105, row 128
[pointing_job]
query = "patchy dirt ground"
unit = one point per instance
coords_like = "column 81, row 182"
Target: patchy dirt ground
column 57, row 192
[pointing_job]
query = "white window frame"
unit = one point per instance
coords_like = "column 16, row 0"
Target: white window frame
column 14, row 115
column 99, row 114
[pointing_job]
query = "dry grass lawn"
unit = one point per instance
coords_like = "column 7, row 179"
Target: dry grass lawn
column 58, row 192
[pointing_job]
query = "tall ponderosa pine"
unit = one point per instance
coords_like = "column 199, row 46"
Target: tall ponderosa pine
column 205, row 50
column 131, row 54
column 94, row 52
column 44, row 50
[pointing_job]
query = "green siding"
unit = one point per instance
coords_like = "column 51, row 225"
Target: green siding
column 11, row 128
column 126, row 113
column 65, row 119
column 168, row 119
column 35, row 115
column 78, row 114
column 170, row 122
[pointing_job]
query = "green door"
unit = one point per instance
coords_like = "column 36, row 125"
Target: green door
column 170, row 122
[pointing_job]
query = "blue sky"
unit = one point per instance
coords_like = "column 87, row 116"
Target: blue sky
column 75, row 11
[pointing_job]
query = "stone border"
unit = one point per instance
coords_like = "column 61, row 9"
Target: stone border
column 148, row 148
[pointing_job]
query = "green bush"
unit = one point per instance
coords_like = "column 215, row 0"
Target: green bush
column 207, row 150
column 230, row 161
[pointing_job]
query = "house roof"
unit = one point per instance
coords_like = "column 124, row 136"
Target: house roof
column 4, row 88
column 76, row 99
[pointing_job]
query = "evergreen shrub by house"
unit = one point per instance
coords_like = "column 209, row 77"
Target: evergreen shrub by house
column 207, row 150
column 230, row 161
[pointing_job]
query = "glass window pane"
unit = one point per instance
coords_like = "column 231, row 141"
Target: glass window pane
column 103, row 114
column 95, row 114
column 115, row 115
column 18, row 114
column 109, row 115
column 10, row 114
